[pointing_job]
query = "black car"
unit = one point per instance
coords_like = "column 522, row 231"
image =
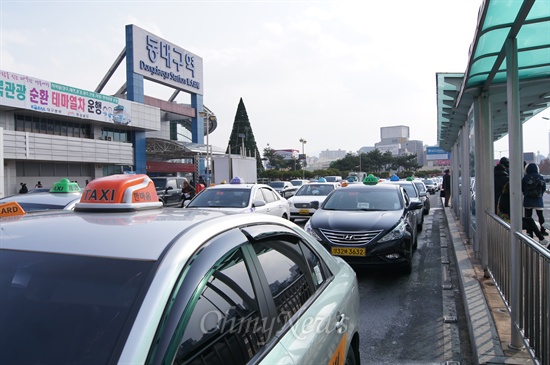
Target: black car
column 368, row 225
column 169, row 190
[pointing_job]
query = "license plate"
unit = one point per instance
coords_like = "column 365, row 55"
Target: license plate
column 304, row 211
column 348, row 251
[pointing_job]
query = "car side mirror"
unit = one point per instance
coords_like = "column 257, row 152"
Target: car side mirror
column 169, row 188
column 423, row 193
column 258, row 203
column 314, row 204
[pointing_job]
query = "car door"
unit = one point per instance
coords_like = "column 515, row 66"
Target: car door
column 273, row 201
column 216, row 310
column 316, row 309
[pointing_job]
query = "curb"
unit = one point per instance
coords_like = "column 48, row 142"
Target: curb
column 487, row 347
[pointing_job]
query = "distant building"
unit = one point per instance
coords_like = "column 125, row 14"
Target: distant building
column 332, row 155
column 396, row 140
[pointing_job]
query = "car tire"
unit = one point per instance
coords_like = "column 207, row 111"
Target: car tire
column 350, row 358
column 408, row 267
column 419, row 226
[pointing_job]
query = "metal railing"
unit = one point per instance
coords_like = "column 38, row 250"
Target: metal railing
column 533, row 313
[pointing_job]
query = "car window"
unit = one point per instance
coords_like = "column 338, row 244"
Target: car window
column 420, row 186
column 225, row 322
column 160, row 183
column 69, row 309
column 277, row 184
column 171, row 183
column 269, row 195
column 291, row 276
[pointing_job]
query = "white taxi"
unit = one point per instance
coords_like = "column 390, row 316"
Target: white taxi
column 122, row 280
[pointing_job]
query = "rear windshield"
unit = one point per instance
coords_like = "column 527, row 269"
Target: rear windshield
column 65, row 309
column 159, row 183
column 277, row 184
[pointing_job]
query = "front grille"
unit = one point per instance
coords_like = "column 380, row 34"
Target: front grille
column 349, row 237
column 302, row 205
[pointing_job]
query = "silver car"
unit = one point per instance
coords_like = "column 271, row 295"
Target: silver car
column 122, row 280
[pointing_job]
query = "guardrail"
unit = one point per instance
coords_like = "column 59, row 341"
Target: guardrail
column 534, row 310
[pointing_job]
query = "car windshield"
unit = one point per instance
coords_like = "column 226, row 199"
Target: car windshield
column 420, row 186
column 66, row 309
column 429, row 182
column 296, row 182
column 344, row 199
column 331, row 178
column 410, row 189
column 315, row 189
column 221, row 198
column 277, row 184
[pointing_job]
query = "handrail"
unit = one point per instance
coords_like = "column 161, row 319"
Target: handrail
column 534, row 311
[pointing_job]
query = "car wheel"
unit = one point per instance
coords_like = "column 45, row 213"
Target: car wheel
column 419, row 226
column 415, row 243
column 407, row 269
column 350, row 358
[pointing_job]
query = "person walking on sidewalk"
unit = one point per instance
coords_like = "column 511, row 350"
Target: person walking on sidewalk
column 447, row 186
column 527, row 223
column 533, row 188
column 501, row 178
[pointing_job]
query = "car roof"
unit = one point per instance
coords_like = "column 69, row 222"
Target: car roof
column 238, row 186
column 44, row 198
column 141, row 235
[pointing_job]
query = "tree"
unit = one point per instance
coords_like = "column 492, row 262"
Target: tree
column 544, row 167
column 242, row 136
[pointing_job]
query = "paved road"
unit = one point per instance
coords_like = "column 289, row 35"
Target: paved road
column 419, row 318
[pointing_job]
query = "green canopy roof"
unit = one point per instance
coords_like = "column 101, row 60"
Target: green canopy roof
column 529, row 22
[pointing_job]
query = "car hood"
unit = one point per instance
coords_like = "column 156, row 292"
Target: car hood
column 355, row 220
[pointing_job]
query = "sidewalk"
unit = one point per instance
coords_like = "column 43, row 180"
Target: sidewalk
column 488, row 319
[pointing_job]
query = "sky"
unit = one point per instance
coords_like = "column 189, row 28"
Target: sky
column 329, row 72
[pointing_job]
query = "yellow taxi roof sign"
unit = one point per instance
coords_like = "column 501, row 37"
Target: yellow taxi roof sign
column 11, row 209
column 65, row 186
column 119, row 192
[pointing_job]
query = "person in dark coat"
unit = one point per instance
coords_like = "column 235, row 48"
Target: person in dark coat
column 501, row 178
column 23, row 189
column 506, row 163
column 447, row 186
column 530, row 202
column 528, row 223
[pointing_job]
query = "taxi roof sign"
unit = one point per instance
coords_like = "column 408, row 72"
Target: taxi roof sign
column 122, row 192
column 65, row 186
column 11, row 209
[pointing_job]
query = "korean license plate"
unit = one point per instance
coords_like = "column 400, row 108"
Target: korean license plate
column 348, row 251
column 304, row 211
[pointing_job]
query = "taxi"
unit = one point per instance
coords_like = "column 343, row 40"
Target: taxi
column 301, row 204
column 122, row 280
column 63, row 194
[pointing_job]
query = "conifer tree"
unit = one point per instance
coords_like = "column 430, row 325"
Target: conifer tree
column 242, row 135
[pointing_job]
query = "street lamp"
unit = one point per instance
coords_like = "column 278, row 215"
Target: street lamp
column 208, row 118
column 303, row 142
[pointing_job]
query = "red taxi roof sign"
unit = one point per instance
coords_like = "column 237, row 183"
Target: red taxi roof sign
column 11, row 209
column 65, row 186
column 119, row 192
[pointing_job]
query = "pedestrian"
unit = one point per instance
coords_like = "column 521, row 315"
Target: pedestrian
column 527, row 223
column 201, row 185
column 38, row 185
column 533, row 188
column 23, row 189
column 506, row 163
column 188, row 190
column 447, row 186
column 501, row 178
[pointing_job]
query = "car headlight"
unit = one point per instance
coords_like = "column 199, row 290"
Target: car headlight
column 310, row 230
column 395, row 234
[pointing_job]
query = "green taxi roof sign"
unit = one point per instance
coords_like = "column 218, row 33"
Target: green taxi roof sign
column 65, row 186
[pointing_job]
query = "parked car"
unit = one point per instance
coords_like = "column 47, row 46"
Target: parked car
column 423, row 193
column 284, row 188
column 299, row 182
column 414, row 195
column 241, row 198
column 301, row 204
column 431, row 185
column 127, row 281
column 368, row 225
column 169, row 190
column 64, row 194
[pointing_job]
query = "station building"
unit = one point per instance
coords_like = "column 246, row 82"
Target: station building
column 50, row 131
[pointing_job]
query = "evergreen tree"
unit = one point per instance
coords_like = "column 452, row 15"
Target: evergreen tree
column 242, row 135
